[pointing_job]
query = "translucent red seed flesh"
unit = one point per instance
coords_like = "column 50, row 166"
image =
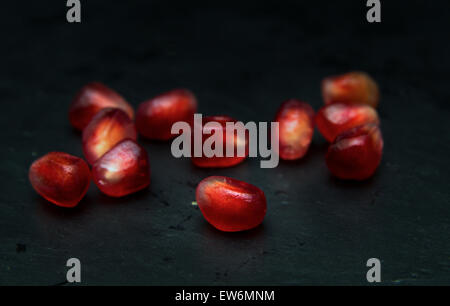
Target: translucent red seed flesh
column 351, row 88
column 228, row 138
column 92, row 98
column 356, row 153
column 231, row 205
column 156, row 116
column 123, row 170
column 333, row 119
column 60, row 178
column 296, row 128
column 106, row 129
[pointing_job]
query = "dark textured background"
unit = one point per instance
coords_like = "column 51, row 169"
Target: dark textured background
column 241, row 60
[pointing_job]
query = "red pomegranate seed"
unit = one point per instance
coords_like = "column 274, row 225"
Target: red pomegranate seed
column 106, row 129
column 156, row 116
column 230, row 205
column 235, row 140
column 122, row 170
column 92, row 98
column 351, row 88
column 60, row 178
column 332, row 120
column 356, row 153
column 296, row 123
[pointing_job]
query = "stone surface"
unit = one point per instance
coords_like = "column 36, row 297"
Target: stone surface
column 241, row 59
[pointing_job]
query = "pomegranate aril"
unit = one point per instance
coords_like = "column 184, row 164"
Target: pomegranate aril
column 351, row 88
column 92, row 98
column 296, row 128
column 123, row 170
column 60, row 178
column 333, row 119
column 356, row 153
column 230, row 205
column 106, row 129
column 156, row 116
column 233, row 139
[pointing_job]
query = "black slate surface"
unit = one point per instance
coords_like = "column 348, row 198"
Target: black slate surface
column 242, row 60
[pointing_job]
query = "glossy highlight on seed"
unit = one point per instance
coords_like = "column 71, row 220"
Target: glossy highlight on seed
column 233, row 139
column 156, row 116
column 356, row 153
column 106, row 129
column 230, row 205
column 123, row 170
column 333, row 119
column 92, row 98
column 60, row 178
column 296, row 128
column 351, row 88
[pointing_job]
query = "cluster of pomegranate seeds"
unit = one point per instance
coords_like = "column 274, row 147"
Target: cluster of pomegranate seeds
column 351, row 88
column 108, row 127
column 122, row 170
column 233, row 139
column 296, row 128
column 120, row 166
column 333, row 119
column 156, row 116
column 230, row 205
column 92, row 98
column 60, row 178
column 350, row 122
column 356, row 153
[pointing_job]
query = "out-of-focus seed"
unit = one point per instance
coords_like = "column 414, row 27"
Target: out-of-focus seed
column 156, row 116
column 92, row 98
column 333, row 119
column 233, row 139
column 351, row 88
column 296, row 128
